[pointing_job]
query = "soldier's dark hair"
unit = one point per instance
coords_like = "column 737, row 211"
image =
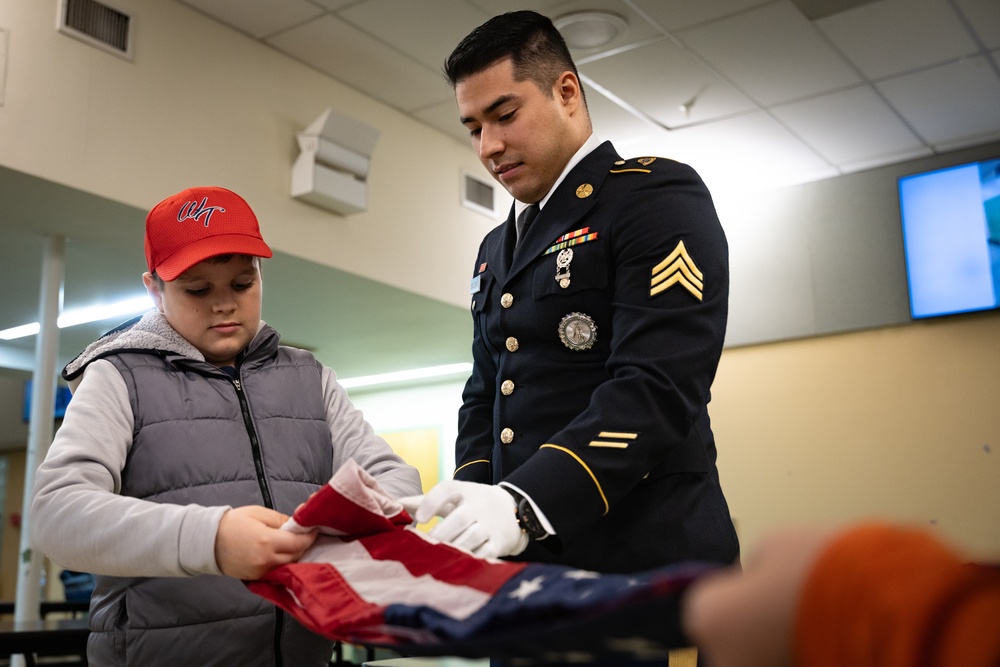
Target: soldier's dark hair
column 534, row 45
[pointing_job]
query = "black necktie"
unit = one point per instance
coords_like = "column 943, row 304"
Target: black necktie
column 523, row 220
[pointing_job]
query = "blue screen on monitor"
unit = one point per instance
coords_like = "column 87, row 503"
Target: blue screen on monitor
column 951, row 238
column 63, row 394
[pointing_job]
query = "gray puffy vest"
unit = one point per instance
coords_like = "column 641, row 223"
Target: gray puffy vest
column 202, row 437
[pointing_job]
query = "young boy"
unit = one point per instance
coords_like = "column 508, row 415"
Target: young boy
column 191, row 435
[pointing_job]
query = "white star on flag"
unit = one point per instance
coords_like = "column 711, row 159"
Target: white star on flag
column 527, row 587
column 581, row 574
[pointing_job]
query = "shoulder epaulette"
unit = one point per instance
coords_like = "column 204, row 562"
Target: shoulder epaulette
column 634, row 165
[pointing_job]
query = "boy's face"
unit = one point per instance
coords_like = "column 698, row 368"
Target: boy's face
column 215, row 306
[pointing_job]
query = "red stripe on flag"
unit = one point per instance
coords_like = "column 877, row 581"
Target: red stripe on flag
column 441, row 561
column 323, row 601
column 330, row 508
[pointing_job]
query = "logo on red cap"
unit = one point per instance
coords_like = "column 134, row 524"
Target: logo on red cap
column 194, row 210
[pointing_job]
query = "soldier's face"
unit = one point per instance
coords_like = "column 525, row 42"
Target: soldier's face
column 521, row 134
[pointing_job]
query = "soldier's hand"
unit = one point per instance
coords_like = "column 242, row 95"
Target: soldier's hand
column 476, row 517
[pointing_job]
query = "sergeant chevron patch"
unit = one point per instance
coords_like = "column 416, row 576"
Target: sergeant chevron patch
column 677, row 269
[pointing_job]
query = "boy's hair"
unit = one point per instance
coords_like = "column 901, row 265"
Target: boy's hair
column 216, row 259
column 198, row 223
column 534, row 45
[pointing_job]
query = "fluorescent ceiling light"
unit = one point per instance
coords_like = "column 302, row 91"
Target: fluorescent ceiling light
column 83, row 315
column 403, row 376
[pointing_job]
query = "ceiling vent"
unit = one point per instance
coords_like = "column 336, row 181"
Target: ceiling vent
column 478, row 195
column 98, row 25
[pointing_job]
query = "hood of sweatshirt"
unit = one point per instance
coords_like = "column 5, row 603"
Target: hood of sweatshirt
column 149, row 333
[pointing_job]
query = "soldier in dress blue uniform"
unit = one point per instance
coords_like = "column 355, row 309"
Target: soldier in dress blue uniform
column 584, row 435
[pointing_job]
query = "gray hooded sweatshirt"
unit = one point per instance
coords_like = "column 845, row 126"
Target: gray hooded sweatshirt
column 155, row 446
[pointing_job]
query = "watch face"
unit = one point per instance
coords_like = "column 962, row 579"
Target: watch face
column 528, row 521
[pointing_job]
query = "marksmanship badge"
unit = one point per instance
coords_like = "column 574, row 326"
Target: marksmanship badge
column 578, row 331
column 563, row 260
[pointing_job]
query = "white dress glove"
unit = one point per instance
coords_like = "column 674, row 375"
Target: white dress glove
column 480, row 518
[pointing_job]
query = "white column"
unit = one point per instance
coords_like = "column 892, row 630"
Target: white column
column 42, row 424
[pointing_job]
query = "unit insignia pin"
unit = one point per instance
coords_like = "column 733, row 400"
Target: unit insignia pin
column 646, row 161
column 578, row 331
column 584, row 190
column 563, row 260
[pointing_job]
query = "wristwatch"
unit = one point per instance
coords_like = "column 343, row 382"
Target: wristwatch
column 526, row 517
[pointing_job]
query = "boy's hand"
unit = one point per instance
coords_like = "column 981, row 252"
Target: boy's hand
column 250, row 543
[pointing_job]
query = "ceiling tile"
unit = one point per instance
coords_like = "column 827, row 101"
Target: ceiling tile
column 851, row 166
column 954, row 102
column 895, row 36
column 745, row 153
column 332, row 46
column 984, row 17
column 258, row 18
column 816, row 9
column 614, row 123
column 541, row 6
column 773, row 54
column 428, row 37
column 444, row 116
column 848, row 126
column 680, row 14
column 334, row 4
column 660, row 77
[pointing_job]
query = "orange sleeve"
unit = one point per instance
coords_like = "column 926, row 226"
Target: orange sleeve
column 882, row 596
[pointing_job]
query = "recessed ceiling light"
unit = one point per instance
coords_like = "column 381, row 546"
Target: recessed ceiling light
column 590, row 30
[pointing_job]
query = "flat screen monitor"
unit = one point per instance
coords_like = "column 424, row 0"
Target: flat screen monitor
column 63, row 394
column 951, row 238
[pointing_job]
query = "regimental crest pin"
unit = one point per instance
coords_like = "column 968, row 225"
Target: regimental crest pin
column 677, row 268
column 578, row 331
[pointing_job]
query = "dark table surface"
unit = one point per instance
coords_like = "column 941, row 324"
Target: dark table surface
column 44, row 637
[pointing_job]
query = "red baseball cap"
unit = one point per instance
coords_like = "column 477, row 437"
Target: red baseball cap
column 199, row 223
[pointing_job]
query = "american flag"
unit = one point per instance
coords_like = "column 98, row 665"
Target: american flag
column 374, row 580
